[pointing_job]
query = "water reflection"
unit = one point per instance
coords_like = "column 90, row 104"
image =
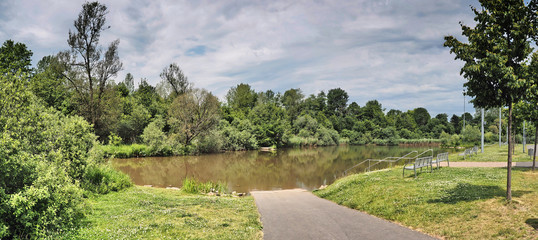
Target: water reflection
column 254, row 170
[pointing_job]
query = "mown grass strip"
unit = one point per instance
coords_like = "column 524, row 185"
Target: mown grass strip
column 151, row 213
column 453, row 203
column 493, row 153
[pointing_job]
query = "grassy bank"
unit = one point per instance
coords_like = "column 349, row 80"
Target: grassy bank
column 453, row 203
column 151, row 213
column 493, row 153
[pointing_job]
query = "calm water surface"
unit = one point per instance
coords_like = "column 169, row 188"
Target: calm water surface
column 307, row 168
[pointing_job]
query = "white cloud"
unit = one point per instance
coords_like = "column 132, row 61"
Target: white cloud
column 385, row 50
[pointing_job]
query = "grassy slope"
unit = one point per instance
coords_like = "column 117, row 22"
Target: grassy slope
column 150, row 213
column 493, row 153
column 453, row 203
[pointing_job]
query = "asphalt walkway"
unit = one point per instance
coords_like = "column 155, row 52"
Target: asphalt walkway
column 298, row 214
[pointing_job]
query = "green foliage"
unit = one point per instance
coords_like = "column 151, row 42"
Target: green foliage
column 15, row 58
column 471, row 134
column 132, row 125
column 52, row 204
column 44, row 156
column 211, row 142
column 174, row 80
column 193, row 114
column 445, row 138
column 155, row 138
column 103, row 179
column 114, row 139
column 126, row 151
column 49, row 85
column 336, row 101
column 270, row 125
column 238, row 135
column 241, row 98
column 191, row 185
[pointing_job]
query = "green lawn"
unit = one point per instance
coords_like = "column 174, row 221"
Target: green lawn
column 493, row 153
column 152, row 213
column 452, row 203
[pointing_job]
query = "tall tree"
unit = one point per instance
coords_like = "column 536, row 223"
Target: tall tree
column 174, row 79
column 337, row 101
column 193, row 114
column 242, row 97
column 90, row 74
column 421, row 115
column 494, row 56
column 15, row 57
column 292, row 101
column 49, row 84
column 129, row 82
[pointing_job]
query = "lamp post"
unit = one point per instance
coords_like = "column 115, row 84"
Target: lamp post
column 500, row 128
column 482, row 130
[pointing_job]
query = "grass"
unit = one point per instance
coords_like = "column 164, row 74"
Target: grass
column 126, row 151
column 493, row 153
column 152, row 213
column 451, row 203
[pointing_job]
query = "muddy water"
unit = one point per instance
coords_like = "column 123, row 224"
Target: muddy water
column 254, row 170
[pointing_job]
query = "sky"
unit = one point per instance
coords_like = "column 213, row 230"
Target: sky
column 387, row 50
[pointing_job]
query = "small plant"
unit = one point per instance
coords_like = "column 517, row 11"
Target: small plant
column 114, row 139
column 192, row 186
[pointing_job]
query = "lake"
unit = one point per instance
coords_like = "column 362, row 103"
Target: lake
column 288, row 168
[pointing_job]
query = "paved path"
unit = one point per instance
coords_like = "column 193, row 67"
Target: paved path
column 486, row 164
column 298, row 214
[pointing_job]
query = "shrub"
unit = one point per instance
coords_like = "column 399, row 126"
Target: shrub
column 193, row 186
column 114, row 139
column 210, row 143
column 103, row 179
column 52, row 204
column 155, row 138
column 238, row 135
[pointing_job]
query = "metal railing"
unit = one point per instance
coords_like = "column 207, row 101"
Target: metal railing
column 390, row 160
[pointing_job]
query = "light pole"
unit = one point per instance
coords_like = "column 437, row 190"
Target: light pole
column 463, row 113
column 500, row 128
column 482, row 130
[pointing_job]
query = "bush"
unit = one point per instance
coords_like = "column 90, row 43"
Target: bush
column 103, row 179
column 238, row 135
column 114, row 139
column 210, row 143
column 196, row 187
column 155, row 138
column 51, row 205
column 43, row 157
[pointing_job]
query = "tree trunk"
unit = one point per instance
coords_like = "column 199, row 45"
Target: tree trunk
column 534, row 151
column 534, row 155
column 510, row 149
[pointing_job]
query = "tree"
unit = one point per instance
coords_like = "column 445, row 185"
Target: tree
column 494, row 56
column 193, row 113
column 15, row 57
column 421, row 115
column 373, row 111
column 90, row 75
column 292, row 100
column 337, row 101
column 174, row 79
column 242, row 98
column 455, row 121
column 49, row 84
column 129, row 82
